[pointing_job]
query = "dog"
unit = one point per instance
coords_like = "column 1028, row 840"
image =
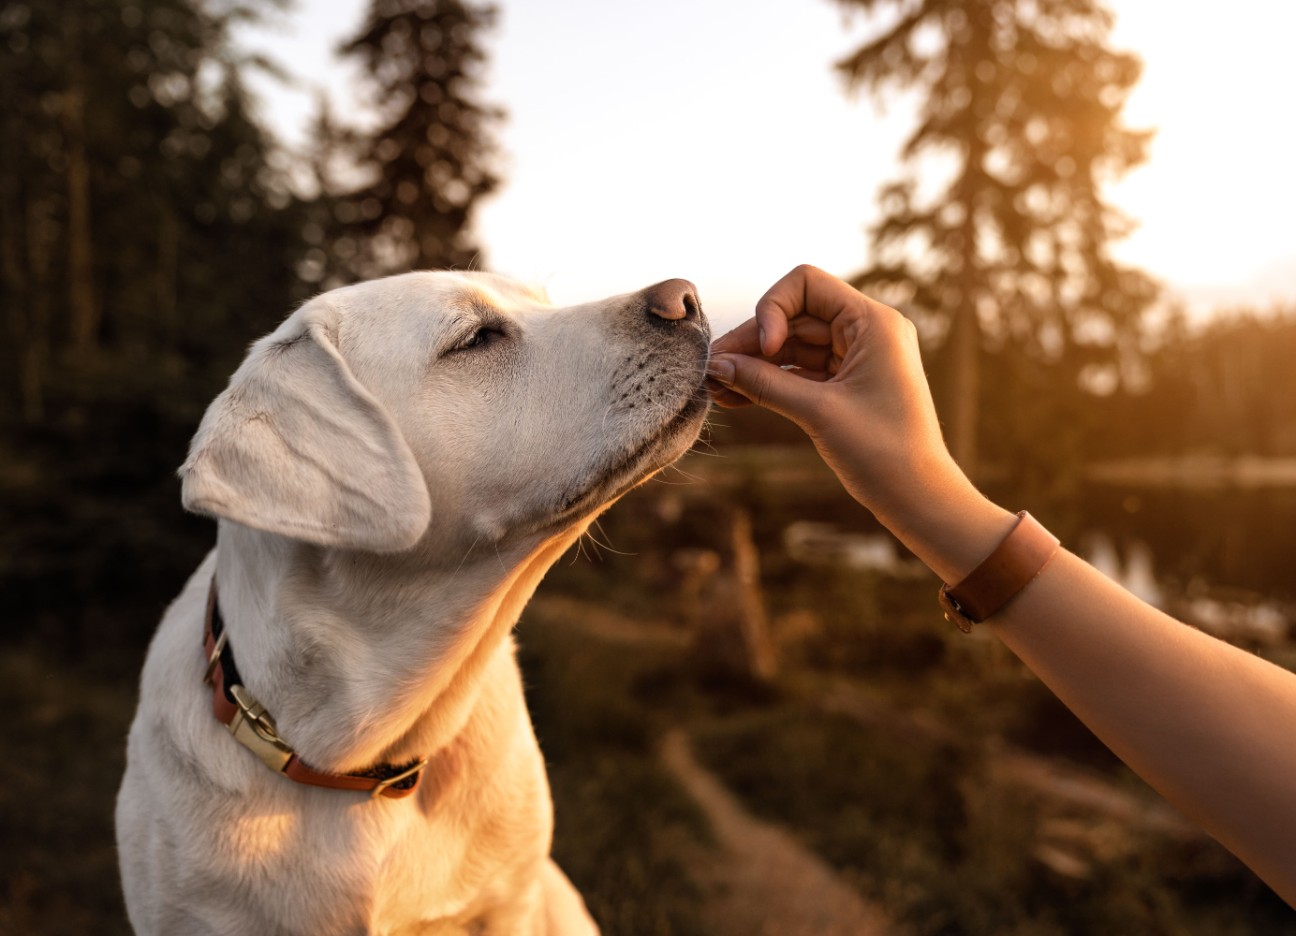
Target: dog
column 331, row 735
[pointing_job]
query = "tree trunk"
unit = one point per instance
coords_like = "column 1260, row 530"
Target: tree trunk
column 34, row 348
column 13, row 276
column 81, row 294
column 167, row 272
column 964, row 386
column 965, row 324
column 758, row 649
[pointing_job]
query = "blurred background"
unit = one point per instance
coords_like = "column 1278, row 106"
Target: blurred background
column 754, row 716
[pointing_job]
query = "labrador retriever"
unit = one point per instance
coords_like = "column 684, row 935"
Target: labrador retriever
column 331, row 734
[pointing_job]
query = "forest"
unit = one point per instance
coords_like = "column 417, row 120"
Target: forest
column 152, row 225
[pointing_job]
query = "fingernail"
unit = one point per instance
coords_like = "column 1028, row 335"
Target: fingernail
column 721, row 369
column 761, row 338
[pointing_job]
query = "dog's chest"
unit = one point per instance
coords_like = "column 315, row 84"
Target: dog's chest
column 460, row 856
column 394, row 874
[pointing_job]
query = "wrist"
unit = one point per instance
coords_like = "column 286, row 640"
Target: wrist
column 945, row 521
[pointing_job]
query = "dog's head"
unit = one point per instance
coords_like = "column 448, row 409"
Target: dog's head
column 437, row 406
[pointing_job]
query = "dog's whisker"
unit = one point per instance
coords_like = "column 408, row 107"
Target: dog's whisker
column 580, row 551
column 597, row 543
column 706, row 448
column 455, row 573
column 689, row 476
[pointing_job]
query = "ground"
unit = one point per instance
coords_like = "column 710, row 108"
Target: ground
column 851, row 796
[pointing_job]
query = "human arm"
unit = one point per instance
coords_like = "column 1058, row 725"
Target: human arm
column 1206, row 724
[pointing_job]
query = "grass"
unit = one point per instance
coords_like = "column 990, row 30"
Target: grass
column 903, row 811
column 915, row 826
column 622, row 825
column 908, row 814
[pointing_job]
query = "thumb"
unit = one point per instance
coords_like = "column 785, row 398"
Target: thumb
column 765, row 384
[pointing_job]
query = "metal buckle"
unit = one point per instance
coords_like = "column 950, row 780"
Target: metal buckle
column 253, row 728
column 384, row 784
column 214, row 660
column 953, row 611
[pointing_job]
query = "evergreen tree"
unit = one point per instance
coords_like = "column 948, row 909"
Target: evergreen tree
column 125, row 140
column 145, row 236
column 327, row 233
column 31, row 200
column 429, row 162
column 1012, row 252
column 1221, row 389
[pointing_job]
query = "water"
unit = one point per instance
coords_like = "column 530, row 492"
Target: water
column 1224, row 560
column 1225, row 539
column 1163, row 544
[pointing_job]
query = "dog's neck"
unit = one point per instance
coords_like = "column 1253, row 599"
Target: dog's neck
column 366, row 659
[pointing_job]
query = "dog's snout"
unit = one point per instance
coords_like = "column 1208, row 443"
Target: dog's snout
column 674, row 300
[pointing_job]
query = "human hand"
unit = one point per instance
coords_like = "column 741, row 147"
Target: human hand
column 847, row 370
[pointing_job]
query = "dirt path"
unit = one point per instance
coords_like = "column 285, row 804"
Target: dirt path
column 765, row 883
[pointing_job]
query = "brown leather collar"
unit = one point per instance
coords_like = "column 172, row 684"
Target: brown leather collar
column 252, row 726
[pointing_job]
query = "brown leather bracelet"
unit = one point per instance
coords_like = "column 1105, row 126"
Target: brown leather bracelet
column 1015, row 562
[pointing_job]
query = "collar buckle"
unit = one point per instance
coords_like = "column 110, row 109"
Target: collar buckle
column 213, row 659
column 384, row 784
column 253, row 728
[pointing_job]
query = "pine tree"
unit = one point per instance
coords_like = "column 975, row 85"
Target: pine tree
column 332, row 246
column 429, row 163
column 123, row 136
column 1012, row 253
column 145, row 236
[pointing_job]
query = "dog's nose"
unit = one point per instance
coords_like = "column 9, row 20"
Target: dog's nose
column 674, row 300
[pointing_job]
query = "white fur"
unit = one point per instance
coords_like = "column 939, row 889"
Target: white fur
column 386, row 506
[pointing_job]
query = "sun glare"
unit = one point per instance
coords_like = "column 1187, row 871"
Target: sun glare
column 1214, row 201
column 727, row 191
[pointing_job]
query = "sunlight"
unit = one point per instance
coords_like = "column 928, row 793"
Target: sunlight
column 256, row 837
column 1214, row 198
column 738, row 198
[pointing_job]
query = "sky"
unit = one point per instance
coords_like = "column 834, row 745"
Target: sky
column 711, row 139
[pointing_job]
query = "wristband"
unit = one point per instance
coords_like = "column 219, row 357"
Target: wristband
column 1015, row 562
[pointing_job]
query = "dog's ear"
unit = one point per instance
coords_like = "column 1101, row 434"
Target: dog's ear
column 296, row 446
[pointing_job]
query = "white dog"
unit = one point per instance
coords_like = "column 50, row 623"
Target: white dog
column 393, row 470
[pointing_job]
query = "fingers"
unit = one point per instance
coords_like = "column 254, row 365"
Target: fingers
column 726, row 399
column 745, row 339
column 742, row 340
column 808, row 321
column 807, row 304
column 809, row 350
column 779, row 313
column 807, row 290
column 805, row 358
column 787, row 392
column 810, row 330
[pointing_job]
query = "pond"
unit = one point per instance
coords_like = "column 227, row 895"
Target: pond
column 1235, row 543
column 1225, row 538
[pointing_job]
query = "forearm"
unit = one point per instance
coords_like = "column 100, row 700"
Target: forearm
column 1211, row 727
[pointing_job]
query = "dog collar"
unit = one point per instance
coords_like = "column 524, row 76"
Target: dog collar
column 252, row 726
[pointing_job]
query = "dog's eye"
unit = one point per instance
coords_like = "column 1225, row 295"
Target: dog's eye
column 482, row 336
